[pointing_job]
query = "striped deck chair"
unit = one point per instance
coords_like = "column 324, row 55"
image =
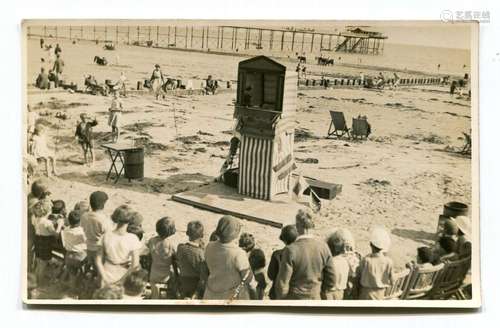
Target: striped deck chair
column 338, row 126
column 398, row 289
column 466, row 150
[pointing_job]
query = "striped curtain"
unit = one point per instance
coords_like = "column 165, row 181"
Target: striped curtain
column 283, row 154
column 255, row 167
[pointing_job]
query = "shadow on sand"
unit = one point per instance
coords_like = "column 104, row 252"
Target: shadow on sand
column 170, row 185
column 419, row 236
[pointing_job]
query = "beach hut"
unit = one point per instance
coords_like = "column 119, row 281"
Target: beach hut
column 265, row 109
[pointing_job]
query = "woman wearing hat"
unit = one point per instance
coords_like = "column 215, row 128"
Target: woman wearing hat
column 119, row 252
column 228, row 264
column 376, row 269
column 157, row 81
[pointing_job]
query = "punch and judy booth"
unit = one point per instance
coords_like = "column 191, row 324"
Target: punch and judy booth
column 265, row 110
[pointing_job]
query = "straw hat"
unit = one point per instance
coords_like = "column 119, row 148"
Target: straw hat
column 464, row 225
column 380, row 238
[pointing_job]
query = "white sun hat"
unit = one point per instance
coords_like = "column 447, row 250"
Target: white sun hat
column 380, row 238
column 464, row 225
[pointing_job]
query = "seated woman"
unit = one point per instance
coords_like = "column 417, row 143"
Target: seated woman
column 42, row 80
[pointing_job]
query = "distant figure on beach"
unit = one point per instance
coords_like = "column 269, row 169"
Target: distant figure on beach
column 211, row 86
column 156, row 81
column 361, row 78
column 396, row 81
column 122, row 82
column 100, row 60
column 57, row 49
column 115, row 111
column 42, row 42
column 42, row 81
column 438, row 67
column 85, row 137
column 58, row 65
column 380, row 80
column 53, row 78
column 50, row 54
column 453, row 86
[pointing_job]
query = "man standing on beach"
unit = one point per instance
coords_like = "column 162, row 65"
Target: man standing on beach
column 58, row 66
column 306, row 264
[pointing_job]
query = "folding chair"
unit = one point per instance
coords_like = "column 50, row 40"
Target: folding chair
column 338, row 126
column 450, row 280
column 398, row 289
column 466, row 150
column 422, row 282
column 360, row 128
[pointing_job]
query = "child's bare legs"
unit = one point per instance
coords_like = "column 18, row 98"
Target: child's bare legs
column 115, row 133
column 53, row 162
column 41, row 267
column 84, row 148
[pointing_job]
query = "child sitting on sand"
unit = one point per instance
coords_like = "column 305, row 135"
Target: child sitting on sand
column 85, row 137
column 193, row 270
column 376, row 269
column 162, row 250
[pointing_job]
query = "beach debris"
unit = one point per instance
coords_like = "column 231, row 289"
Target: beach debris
column 57, row 104
column 188, row 140
column 303, row 134
column 308, row 160
column 204, row 133
column 377, row 183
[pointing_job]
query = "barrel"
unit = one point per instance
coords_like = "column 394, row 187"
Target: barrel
column 454, row 209
column 134, row 163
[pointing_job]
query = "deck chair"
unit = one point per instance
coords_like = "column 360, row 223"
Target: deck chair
column 398, row 289
column 466, row 150
column 360, row 128
column 338, row 126
column 422, row 282
column 450, row 281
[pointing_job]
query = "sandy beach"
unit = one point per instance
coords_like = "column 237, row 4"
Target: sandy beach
column 399, row 178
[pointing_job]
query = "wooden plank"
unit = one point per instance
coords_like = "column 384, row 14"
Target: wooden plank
column 219, row 198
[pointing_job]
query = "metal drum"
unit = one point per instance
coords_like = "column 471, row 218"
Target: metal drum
column 134, row 163
column 454, row 209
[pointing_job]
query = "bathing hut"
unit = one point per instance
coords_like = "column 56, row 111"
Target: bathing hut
column 265, row 110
